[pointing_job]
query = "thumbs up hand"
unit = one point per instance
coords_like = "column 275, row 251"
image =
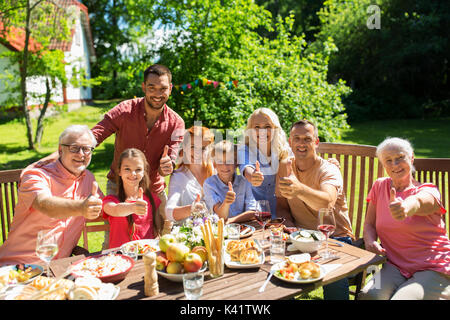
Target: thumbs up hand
column 140, row 205
column 92, row 205
column 230, row 197
column 165, row 163
column 399, row 208
column 257, row 177
column 289, row 185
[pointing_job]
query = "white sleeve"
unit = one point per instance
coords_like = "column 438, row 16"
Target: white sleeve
column 176, row 186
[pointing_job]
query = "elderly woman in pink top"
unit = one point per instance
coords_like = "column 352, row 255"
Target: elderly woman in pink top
column 58, row 196
column 407, row 218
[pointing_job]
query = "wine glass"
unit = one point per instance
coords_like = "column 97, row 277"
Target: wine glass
column 263, row 215
column 46, row 247
column 327, row 225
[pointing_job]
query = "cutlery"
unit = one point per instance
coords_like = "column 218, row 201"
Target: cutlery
column 263, row 287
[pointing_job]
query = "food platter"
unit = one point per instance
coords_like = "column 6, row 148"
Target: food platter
column 297, row 278
column 14, row 275
column 237, row 264
column 144, row 246
column 107, row 267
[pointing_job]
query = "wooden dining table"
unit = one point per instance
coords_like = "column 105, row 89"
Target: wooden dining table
column 242, row 284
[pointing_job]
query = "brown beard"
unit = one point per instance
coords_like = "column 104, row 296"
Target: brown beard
column 150, row 105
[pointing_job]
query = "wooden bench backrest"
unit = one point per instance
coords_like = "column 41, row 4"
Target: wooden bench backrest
column 360, row 168
column 436, row 171
column 9, row 183
column 358, row 164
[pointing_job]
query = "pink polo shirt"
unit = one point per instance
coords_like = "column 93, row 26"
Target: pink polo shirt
column 53, row 180
column 416, row 243
column 127, row 121
column 119, row 232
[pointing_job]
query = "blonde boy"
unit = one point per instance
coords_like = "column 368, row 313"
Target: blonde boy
column 228, row 194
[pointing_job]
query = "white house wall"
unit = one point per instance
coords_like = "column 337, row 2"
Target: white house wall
column 78, row 56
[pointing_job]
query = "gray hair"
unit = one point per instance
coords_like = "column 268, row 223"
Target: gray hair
column 78, row 129
column 398, row 143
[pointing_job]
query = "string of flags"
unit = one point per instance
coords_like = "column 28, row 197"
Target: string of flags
column 205, row 82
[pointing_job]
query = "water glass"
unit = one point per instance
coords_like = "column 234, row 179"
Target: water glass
column 234, row 231
column 277, row 246
column 193, row 285
column 132, row 251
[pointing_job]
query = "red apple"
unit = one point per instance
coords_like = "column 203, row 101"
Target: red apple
column 193, row 262
column 161, row 261
column 174, row 267
column 201, row 251
column 177, row 252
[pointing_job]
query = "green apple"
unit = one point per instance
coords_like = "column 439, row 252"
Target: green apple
column 165, row 241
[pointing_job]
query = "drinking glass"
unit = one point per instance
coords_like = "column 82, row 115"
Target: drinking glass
column 326, row 225
column 199, row 209
column 263, row 215
column 46, row 247
column 233, row 231
column 132, row 251
column 193, row 285
column 277, row 246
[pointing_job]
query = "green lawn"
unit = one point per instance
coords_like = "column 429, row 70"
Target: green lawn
column 429, row 138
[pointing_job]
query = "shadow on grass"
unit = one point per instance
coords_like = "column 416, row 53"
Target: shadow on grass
column 102, row 158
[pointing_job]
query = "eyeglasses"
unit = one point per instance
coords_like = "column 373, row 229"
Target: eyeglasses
column 73, row 148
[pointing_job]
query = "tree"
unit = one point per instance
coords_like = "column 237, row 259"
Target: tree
column 40, row 22
column 400, row 70
column 218, row 40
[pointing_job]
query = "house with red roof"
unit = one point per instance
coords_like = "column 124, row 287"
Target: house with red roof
column 79, row 53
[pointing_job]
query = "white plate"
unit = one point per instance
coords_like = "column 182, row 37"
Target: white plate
column 176, row 277
column 154, row 243
column 6, row 269
column 14, row 292
column 297, row 278
column 248, row 234
column 237, row 265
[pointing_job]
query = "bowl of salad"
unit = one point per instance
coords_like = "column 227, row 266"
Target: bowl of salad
column 307, row 240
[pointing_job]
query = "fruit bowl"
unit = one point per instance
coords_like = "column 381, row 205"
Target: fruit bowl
column 307, row 240
column 176, row 277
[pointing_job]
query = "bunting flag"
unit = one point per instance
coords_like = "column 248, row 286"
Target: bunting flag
column 204, row 83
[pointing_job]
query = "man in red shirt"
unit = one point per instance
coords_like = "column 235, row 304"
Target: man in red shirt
column 147, row 124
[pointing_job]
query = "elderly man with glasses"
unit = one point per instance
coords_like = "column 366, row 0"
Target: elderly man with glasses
column 57, row 197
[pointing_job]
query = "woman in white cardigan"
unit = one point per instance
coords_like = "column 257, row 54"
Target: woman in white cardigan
column 186, row 183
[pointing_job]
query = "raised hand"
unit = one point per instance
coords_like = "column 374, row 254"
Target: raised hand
column 289, row 185
column 231, row 195
column 165, row 163
column 399, row 208
column 256, row 178
column 92, row 205
column 140, row 206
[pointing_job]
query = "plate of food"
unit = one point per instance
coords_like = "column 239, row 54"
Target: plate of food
column 243, row 254
column 18, row 274
column 143, row 246
column 44, row 288
column 300, row 271
column 110, row 267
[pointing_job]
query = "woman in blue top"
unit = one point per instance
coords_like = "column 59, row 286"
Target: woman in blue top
column 264, row 147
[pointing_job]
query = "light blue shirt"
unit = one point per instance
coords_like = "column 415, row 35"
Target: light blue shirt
column 215, row 191
column 269, row 168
